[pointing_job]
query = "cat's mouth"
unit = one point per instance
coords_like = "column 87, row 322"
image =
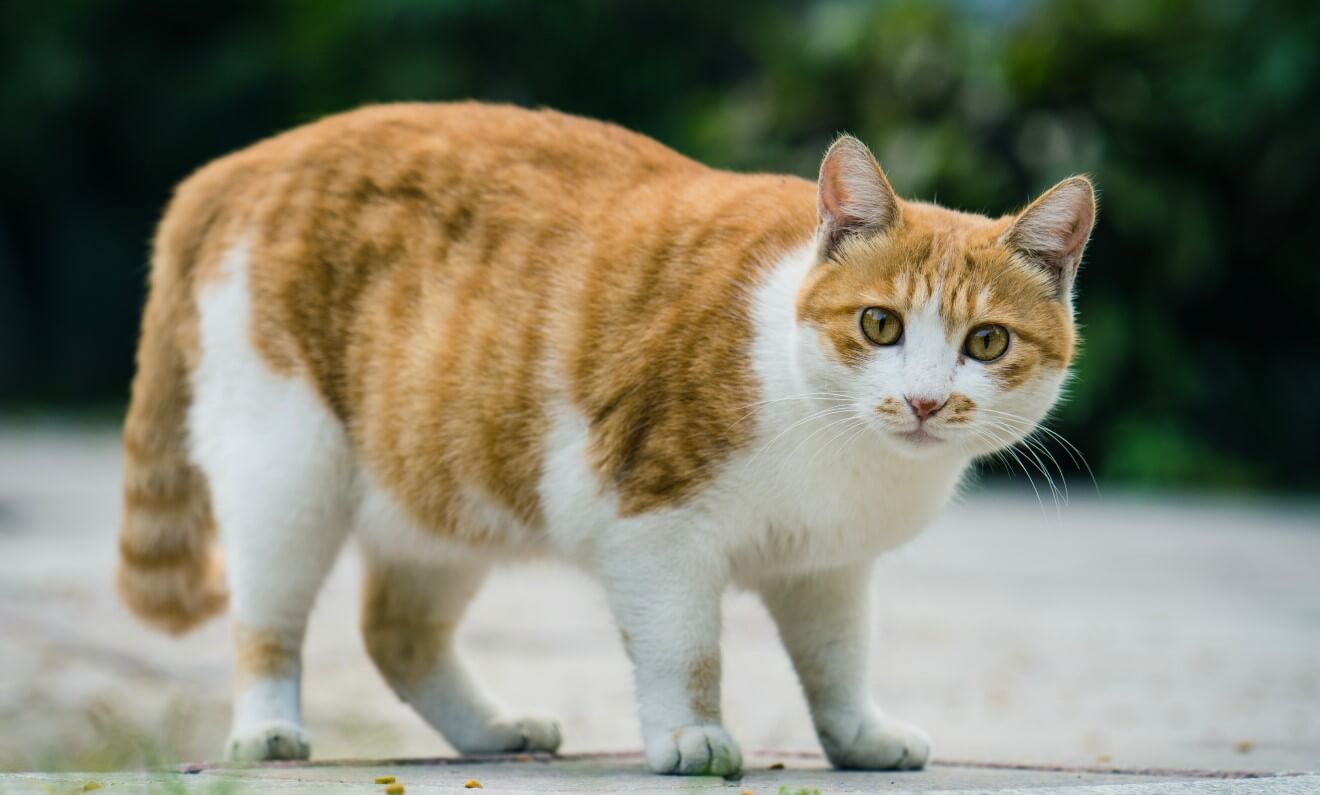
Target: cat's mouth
column 920, row 437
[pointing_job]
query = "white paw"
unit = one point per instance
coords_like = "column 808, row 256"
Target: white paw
column 694, row 751
column 267, row 741
column 508, row 736
column 875, row 743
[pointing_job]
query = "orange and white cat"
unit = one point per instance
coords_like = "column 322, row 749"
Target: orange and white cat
column 466, row 333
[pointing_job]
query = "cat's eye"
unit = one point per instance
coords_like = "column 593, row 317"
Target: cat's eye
column 881, row 326
column 986, row 343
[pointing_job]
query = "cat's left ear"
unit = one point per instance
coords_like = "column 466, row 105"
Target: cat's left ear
column 853, row 196
column 1053, row 231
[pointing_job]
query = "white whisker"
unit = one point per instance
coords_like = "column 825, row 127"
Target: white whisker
column 1074, row 454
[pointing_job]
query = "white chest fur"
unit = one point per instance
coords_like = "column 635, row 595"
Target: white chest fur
column 821, row 483
column 830, row 497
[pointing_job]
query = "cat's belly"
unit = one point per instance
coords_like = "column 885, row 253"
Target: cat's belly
column 479, row 532
column 763, row 518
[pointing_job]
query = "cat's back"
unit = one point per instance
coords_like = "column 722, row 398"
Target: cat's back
column 388, row 150
column 363, row 208
column 415, row 169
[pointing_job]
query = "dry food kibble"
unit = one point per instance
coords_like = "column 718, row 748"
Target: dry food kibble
column 394, row 789
column 88, row 786
column 472, row 783
column 384, row 779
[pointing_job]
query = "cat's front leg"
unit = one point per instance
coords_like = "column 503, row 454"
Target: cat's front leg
column 824, row 621
column 666, row 599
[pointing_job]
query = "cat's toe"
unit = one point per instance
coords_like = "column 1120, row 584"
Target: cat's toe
column 538, row 734
column 272, row 740
column 511, row 736
column 877, row 744
column 694, row 751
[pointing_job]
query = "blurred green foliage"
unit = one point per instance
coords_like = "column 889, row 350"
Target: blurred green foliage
column 1199, row 120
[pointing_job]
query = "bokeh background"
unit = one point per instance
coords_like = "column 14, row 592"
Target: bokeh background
column 1198, row 120
column 1165, row 618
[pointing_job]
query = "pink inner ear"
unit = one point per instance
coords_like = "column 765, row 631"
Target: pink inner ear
column 853, row 191
column 1083, row 216
column 834, row 196
column 1059, row 223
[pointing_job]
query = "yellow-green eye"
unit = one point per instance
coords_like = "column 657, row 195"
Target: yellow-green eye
column 881, row 326
column 986, row 343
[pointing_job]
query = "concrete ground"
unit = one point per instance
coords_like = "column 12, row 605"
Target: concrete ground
column 1116, row 632
column 624, row 773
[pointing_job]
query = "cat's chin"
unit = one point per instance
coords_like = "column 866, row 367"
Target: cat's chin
column 920, row 437
column 920, row 443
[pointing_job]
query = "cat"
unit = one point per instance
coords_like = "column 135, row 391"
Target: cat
column 468, row 333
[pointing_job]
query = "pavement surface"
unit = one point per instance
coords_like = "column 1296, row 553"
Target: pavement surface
column 767, row 773
column 1115, row 632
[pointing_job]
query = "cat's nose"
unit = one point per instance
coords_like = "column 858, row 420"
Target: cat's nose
column 923, row 407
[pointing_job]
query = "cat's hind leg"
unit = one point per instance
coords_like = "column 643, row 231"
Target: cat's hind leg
column 280, row 501
column 410, row 613
column 279, row 468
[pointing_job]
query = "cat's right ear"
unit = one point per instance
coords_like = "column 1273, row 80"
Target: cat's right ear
column 853, row 195
column 1053, row 231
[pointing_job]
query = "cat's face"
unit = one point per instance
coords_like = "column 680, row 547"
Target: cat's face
column 944, row 332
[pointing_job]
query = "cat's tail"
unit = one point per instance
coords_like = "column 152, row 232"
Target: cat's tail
column 170, row 570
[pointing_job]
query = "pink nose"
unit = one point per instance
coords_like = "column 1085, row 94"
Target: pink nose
column 923, row 407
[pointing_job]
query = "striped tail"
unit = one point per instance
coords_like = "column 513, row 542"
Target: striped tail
column 170, row 571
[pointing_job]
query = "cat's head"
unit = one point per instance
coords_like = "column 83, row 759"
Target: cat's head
column 947, row 332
